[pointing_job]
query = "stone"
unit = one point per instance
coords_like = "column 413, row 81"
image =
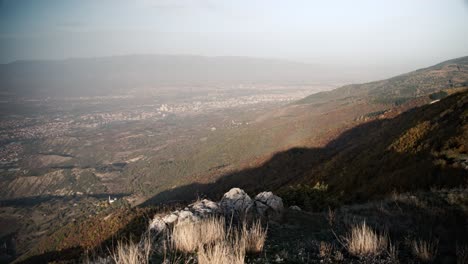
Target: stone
column 295, row 208
column 171, row 218
column 192, row 213
column 268, row 205
column 205, row 207
column 187, row 216
column 236, row 203
column 157, row 225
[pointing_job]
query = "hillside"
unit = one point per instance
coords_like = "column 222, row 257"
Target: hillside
column 399, row 89
column 316, row 155
column 422, row 148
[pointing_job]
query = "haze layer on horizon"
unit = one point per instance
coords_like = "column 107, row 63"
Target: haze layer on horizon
column 387, row 37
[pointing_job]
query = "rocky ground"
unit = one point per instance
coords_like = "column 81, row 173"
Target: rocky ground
column 437, row 218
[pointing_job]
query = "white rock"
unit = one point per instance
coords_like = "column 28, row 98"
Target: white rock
column 269, row 205
column 157, row 225
column 236, row 202
column 205, row 207
column 192, row 213
column 185, row 215
column 171, row 218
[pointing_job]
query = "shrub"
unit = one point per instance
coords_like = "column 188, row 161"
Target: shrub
column 438, row 95
column 314, row 198
column 408, row 142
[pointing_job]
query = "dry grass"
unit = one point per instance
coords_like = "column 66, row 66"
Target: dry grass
column 209, row 238
column 131, row 252
column 393, row 252
column 254, row 237
column 425, row 251
column 363, row 241
column 325, row 249
column 225, row 251
column 215, row 243
column 187, row 237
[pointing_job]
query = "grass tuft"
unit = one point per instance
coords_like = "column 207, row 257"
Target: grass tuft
column 187, row 237
column 254, row 237
column 214, row 242
column 222, row 252
column 363, row 241
column 425, row 251
column 131, row 252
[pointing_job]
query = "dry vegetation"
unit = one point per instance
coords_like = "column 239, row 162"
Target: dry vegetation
column 210, row 240
column 408, row 141
column 425, row 251
column 214, row 242
column 187, row 237
column 132, row 253
column 363, row 241
column 223, row 252
column 254, row 237
column 325, row 249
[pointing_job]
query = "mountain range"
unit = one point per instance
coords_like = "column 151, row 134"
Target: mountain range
column 121, row 74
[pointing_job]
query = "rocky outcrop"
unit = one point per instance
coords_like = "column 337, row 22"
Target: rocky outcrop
column 236, row 203
column 193, row 213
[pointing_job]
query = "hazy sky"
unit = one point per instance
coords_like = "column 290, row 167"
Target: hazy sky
column 399, row 33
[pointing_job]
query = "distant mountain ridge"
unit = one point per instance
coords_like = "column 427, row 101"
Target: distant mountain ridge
column 119, row 74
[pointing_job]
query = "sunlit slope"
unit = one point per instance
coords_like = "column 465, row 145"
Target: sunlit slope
column 399, row 89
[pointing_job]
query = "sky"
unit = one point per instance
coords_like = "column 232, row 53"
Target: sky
column 396, row 35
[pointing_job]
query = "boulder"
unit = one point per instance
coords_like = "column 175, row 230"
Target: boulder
column 268, row 205
column 236, row 203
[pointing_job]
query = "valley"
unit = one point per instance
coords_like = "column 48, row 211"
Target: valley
column 65, row 159
column 233, row 132
column 74, row 153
